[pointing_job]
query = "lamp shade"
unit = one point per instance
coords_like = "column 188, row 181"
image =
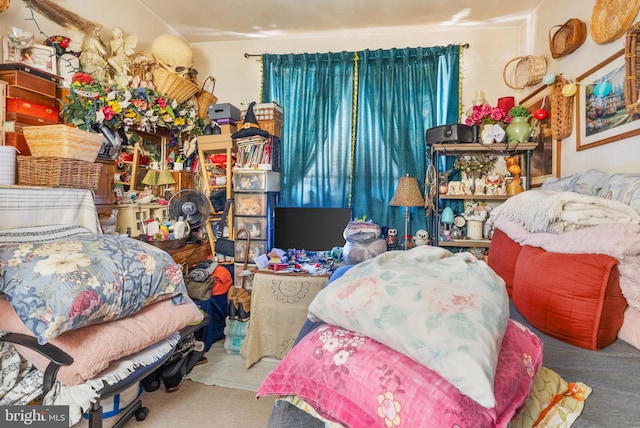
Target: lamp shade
column 151, row 178
column 407, row 193
column 447, row 216
column 165, row 177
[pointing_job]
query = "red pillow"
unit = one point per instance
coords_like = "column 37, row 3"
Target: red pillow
column 503, row 254
column 573, row 297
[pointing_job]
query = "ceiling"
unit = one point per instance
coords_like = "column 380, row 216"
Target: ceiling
column 216, row 21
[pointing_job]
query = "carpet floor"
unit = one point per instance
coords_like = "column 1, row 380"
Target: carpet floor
column 220, row 393
column 229, row 371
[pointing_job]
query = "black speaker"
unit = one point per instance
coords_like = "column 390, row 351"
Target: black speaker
column 454, row 133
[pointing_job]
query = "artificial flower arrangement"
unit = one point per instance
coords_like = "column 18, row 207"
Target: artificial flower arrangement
column 91, row 103
column 479, row 164
column 484, row 114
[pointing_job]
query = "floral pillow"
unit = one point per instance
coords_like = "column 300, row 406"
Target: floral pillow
column 445, row 311
column 83, row 280
column 356, row 381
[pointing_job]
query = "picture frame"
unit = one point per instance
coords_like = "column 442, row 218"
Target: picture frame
column 545, row 159
column 37, row 56
column 603, row 119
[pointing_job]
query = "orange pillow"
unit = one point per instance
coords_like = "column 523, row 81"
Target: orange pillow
column 573, row 297
column 503, row 254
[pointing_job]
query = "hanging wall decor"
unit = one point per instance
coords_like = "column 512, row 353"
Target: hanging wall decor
column 601, row 116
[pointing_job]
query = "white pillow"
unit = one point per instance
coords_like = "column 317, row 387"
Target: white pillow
column 448, row 312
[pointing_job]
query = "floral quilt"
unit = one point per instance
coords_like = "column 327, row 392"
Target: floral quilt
column 84, row 279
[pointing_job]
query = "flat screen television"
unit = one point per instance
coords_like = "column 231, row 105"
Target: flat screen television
column 311, row 229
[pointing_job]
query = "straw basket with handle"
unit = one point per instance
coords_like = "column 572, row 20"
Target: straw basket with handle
column 566, row 38
column 174, row 86
column 205, row 97
column 527, row 71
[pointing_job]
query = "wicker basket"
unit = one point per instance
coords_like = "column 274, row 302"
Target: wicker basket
column 561, row 110
column 62, row 141
column 175, row 87
column 611, row 18
column 205, row 97
column 58, row 172
column 528, row 71
column 565, row 39
column 269, row 116
column 632, row 67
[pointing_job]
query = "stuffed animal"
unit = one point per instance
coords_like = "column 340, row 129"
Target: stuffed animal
column 421, row 237
column 392, row 239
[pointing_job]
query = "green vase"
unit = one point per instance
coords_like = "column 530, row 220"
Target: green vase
column 519, row 130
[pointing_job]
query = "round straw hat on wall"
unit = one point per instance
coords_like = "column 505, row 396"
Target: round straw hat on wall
column 611, row 18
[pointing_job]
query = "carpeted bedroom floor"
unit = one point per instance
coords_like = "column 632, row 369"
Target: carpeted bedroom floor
column 220, row 393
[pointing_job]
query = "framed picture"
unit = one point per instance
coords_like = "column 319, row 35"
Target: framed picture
column 38, row 56
column 601, row 114
column 545, row 159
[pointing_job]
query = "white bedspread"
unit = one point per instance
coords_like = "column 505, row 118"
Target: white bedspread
column 27, row 206
column 557, row 212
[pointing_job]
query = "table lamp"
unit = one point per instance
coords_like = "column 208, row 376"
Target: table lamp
column 407, row 195
column 151, row 178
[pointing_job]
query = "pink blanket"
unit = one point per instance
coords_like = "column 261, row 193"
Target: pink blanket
column 618, row 240
column 94, row 347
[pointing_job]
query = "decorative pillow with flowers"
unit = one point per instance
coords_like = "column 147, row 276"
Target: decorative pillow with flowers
column 446, row 311
column 356, row 381
column 60, row 285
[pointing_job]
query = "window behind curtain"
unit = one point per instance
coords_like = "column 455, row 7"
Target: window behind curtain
column 354, row 122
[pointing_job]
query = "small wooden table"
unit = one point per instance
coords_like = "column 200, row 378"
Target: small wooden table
column 279, row 304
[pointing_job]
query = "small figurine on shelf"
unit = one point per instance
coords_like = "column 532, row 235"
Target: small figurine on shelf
column 392, row 239
column 513, row 166
column 421, row 238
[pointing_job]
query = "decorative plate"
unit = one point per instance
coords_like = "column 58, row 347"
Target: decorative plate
column 611, row 18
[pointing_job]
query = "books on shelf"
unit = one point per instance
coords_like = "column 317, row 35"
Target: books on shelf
column 258, row 152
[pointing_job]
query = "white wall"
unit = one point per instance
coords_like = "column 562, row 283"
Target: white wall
column 620, row 156
column 131, row 16
column 238, row 78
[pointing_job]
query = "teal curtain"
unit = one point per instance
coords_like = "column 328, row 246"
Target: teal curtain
column 355, row 122
column 316, row 91
column 401, row 94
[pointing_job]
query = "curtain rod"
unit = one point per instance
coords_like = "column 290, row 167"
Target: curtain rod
column 248, row 55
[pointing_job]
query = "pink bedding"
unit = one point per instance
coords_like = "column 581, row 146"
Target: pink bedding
column 94, row 347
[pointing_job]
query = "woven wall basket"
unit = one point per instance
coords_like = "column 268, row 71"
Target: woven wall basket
column 632, row 67
column 561, row 110
column 611, row 18
column 524, row 71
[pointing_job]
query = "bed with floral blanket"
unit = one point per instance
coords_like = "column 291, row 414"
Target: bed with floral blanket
column 112, row 303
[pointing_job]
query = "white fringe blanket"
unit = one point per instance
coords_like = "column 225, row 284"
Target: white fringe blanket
column 557, row 212
column 21, row 382
column 618, row 240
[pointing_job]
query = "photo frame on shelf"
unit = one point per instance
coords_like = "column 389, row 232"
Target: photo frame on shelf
column 601, row 114
column 545, row 159
column 38, row 56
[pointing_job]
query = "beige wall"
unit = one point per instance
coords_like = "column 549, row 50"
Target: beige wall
column 238, row 78
column 620, row 156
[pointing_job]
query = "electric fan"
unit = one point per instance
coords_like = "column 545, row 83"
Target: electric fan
column 192, row 205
